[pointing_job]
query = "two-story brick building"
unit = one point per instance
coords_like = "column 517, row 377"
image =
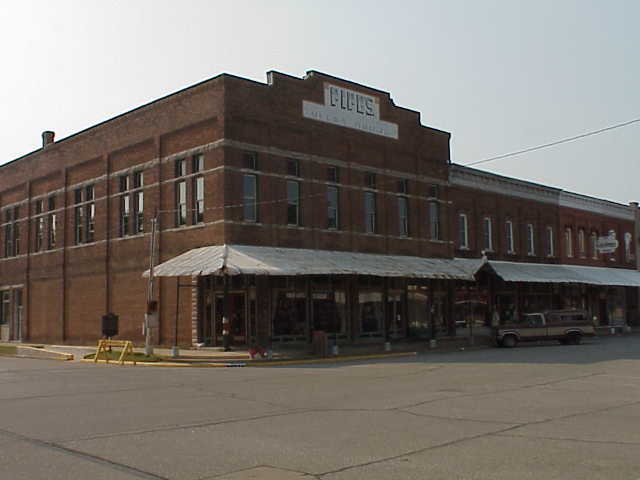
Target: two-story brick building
column 307, row 203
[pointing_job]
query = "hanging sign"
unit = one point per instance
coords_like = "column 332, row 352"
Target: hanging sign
column 607, row 244
column 350, row 109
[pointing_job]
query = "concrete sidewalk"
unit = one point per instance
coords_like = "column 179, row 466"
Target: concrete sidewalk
column 284, row 355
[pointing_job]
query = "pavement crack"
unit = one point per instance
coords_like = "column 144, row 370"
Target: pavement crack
column 56, row 447
column 418, row 451
column 568, row 439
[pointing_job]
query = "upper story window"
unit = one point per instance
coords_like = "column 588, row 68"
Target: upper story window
column 85, row 214
column 249, row 198
column 594, row 245
column 11, row 232
column 463, row 231
column 531, row 243
column 333, row 207
column 131, row 203
column 508, row 229
column 181, row 202
column 180, row 167
column 582, row 247
column 487, row 234
column 197, row 163
column 39, row 225
column 52, row 226
column 403, row 185
column 550, row 243
column 403, row 216
column 568, row 242
column 432, row 191
column 250, row 160
column 370, row 212
column 293, row 167
column 434, row 220
column 333, row 174
column 293, row 203
column 628, row 255
column 370, row 180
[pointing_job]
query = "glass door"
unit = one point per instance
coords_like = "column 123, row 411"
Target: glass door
column 237, row 318
column 396, row 322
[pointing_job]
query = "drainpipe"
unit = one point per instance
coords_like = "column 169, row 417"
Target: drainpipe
column 636, row 236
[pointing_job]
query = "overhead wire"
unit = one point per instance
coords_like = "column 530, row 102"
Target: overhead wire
column 554, row 143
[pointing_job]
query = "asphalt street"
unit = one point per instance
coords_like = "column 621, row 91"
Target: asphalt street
column 537, row 411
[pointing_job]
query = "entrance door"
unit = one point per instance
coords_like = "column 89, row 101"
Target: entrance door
column 17, row 298
column 396, row 324
column 237, row 317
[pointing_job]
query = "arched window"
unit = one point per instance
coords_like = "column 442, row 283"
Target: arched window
column 531, row 245
column 508, row 228
column 627, row 246
column 582, row 248
column 550, row 245
column 568, row 242
column 594, row 245
column 487, row 234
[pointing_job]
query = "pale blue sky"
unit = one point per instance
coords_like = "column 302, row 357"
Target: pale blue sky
column 498, row 75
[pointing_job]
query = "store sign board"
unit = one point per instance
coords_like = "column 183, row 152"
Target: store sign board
column 607, row 244
column 350, row 109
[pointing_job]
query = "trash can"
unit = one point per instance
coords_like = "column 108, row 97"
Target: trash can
column 320, row 344
column 110, row 325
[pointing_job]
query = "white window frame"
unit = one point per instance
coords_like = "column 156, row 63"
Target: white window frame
column 582, row 247
column 551, row 250
column 508, row 228
column 594, row 243
column 487, row 234
column 531, row 240
column 568, row 242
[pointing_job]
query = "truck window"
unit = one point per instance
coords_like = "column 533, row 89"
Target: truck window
column 534, row 320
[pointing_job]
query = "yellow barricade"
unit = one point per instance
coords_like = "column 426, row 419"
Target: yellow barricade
column 106, row 345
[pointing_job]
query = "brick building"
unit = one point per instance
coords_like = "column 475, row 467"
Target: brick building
column 306, row 203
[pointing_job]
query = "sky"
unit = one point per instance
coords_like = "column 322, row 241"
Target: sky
column 501, row 76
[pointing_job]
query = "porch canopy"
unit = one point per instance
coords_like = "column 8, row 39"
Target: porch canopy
column 552, row 273
column 254, row 260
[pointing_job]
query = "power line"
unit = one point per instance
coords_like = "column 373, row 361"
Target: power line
column 557, row 142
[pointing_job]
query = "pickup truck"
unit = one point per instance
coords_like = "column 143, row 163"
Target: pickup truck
column 566, row 326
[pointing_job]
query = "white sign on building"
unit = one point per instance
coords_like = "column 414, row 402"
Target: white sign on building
column 607, row 244
column 350, row 109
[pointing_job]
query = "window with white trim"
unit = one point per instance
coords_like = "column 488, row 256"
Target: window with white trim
column 487, row 234
column 594, row 245
column 568, row 242
column 582, row 247
column 550, row 244
column 531, row 244
column 627, row 247
column 508, row 228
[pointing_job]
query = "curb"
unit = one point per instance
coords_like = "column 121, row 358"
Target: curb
column 166, row 364
column 352, row 358
column 59, row 355
column 277, row 363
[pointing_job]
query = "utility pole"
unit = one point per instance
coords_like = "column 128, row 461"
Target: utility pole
column 151, row 316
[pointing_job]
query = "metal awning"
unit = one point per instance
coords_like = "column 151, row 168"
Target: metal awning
column 254, row 260
column 553, row 273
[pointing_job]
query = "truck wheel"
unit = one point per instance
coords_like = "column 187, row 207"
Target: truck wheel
column 509, row 341
column 575, row 339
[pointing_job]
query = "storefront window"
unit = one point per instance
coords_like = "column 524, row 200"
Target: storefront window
column 417, row 296
column 371, row 313
column 290, row 314
column 329, row 311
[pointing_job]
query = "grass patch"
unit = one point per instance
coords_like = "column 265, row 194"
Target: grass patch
column 8, row 350
column 115, row 356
